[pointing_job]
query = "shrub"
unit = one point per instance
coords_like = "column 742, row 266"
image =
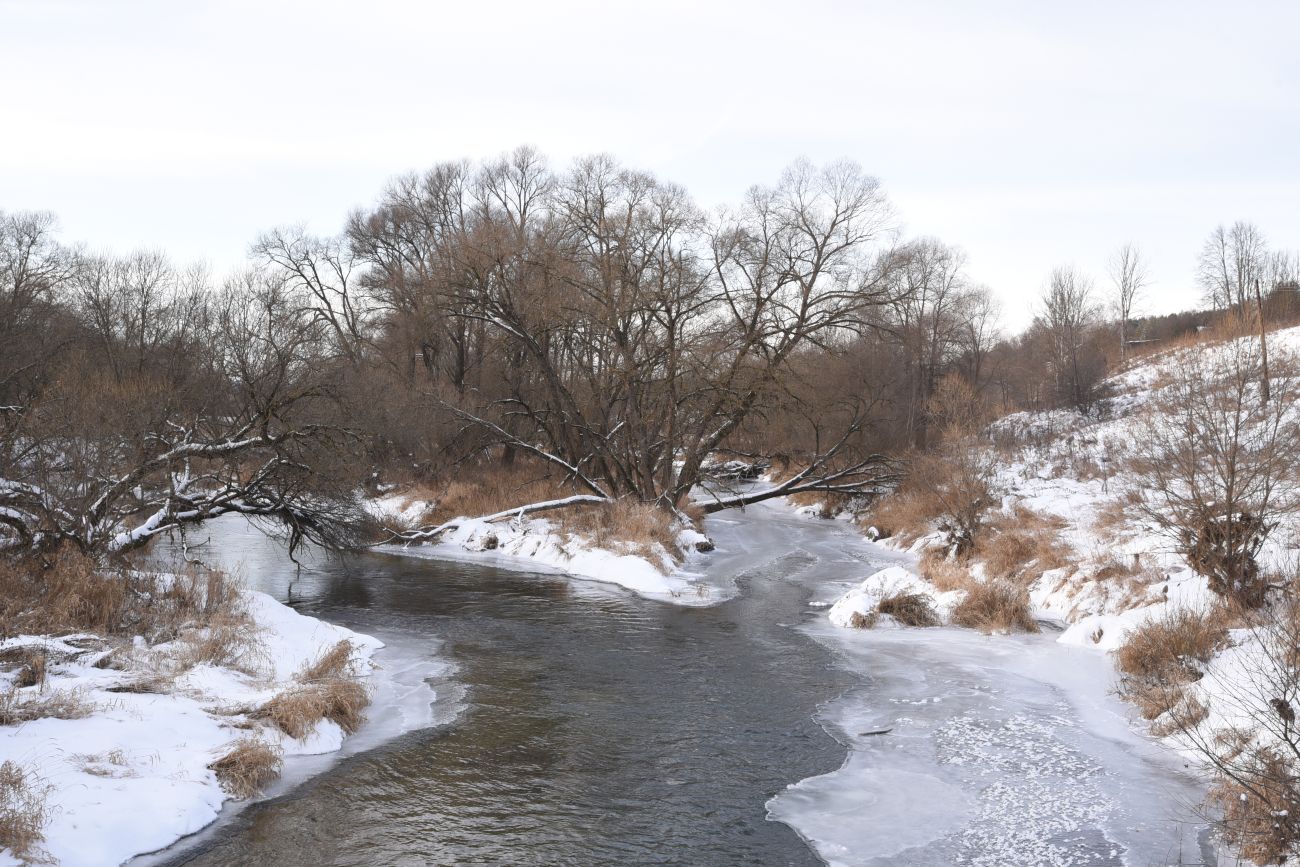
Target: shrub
column 951, row 490
column 995, row 607
column 23, row 812
column 246, row 768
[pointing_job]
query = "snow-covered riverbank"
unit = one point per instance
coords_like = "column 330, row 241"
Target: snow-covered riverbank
column 540, row 545
column 132, row 775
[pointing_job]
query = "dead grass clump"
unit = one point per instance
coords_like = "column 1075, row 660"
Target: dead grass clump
column 1111, row 518
column 228, row 639
column 1166, row 649
column 247, row 767
column 23, row 813
column 995, row 607
column 1262, row 819
column 149, row 683
column 944, row 572
column 17, row 706
column 333, row 663
column 1184, row 715
column 640, row 528
column 858, row 620
column 909, row 609
column 297, row 710
column 1025, row 538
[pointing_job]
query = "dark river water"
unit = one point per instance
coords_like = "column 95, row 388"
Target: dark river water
column 596, row 727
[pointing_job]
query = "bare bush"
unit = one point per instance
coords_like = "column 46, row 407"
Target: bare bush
column 1218, row 462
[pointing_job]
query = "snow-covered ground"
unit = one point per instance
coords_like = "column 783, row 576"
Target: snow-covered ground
column 535, row 544
column 133, row 777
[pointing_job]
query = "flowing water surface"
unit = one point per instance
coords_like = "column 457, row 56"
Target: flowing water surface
column 584, row 725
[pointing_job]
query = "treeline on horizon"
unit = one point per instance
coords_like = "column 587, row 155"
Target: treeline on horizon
column 592, row 320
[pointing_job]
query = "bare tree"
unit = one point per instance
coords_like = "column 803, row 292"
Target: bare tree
column 632, row 335
column 106, row 459
column 1129, row 275
column 1067, row 315
column 1231, row 260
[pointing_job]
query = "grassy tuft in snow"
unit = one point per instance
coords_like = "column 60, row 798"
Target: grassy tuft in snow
column 247, row 767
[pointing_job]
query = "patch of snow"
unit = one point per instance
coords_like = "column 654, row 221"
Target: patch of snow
column 133, row 777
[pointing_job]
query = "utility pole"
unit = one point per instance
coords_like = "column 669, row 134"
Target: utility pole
column 1263, row 343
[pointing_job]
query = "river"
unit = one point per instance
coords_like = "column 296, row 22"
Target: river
column 580, row 724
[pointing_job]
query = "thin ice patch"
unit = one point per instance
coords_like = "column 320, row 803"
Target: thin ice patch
column 1043, row 804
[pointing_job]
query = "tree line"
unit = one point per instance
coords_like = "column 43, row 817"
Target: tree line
column 593, row 320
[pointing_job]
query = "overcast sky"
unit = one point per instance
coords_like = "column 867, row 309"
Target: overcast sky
column 1028, row 133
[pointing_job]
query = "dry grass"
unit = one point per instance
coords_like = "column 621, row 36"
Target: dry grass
column 247, row 767
column 23, row 813
column 944, row 572
column 471, row 490
column 858, row 620
column 1159, row 658
column 907, row 514
column 327, row 689
column 336, row 662
column 1113, row 517
column 638, row 528
column 1012, row 544
column 909, row 609
column 19, row 706
column 297, row 710
column 995, row 607
column 228, row 639
column 1183, row 715
column 1263, row 819
column 70, row 592
column 1166, row 649
column 29, row 665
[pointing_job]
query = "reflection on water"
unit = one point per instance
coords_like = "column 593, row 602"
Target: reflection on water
column 597, row 727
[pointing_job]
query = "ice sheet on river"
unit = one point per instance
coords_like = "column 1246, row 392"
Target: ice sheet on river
column 1002, row 750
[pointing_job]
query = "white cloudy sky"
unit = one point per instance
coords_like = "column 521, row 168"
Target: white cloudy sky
column 1029, row 133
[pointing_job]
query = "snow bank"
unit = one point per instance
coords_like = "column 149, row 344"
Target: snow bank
column 891, row 581
column 538, row 545
column 132, row 777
